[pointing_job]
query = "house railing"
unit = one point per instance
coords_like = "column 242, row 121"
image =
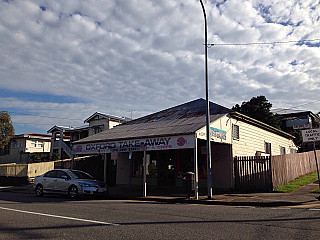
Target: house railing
column 64, row 146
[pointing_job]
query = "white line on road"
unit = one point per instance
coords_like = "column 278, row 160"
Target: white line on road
column 245, row 207
column 281, row 208
column 63, row 217
column 314, row 209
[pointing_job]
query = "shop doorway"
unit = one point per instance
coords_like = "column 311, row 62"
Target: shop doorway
column 166, row 168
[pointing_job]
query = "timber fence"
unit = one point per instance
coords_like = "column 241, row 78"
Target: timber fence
column 286, row 168
column 263, row 174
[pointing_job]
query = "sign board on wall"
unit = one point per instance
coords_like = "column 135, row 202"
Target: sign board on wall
column 305, row 126
column 145, row 144
column 311, row 135
column 214, row 133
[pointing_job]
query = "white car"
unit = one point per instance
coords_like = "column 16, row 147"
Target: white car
column 70, row 182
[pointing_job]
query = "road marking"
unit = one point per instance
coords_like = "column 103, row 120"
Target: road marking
column 280, row 208
column 314, row 209
column 63, row 217
column 244, row 207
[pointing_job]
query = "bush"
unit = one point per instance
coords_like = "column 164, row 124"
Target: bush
column 40, row 157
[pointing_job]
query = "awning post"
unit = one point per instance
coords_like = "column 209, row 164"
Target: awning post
column 196, row 176
column 144, row 173
column 105, row 168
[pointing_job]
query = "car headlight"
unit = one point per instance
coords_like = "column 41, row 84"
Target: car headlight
column 84, row 185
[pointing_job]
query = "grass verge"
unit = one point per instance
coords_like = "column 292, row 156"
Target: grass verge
column 297, row 183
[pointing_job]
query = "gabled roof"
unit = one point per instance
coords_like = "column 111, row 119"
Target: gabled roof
column 66, row 129
column 107, row 116
column 186, row 118
column 290, row 113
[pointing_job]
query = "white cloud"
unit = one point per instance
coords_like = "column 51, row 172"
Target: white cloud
column 148, row 55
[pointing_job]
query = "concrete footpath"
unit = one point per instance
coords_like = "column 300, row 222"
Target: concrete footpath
column 301, row 197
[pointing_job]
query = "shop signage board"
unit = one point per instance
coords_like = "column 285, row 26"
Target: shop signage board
column 303, row 126
column 134, row 145
column 214, row 133
column 311, row 135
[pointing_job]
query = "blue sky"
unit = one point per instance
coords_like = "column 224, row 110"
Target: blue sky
column 61, row 61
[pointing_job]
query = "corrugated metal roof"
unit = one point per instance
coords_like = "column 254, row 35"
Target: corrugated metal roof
column 107, row 116
column 183, row 119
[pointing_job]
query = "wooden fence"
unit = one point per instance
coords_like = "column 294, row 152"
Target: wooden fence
column 286, row 168
column 253, row 174
column 263, row 174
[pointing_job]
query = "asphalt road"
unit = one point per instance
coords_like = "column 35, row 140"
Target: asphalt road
column 23, row 216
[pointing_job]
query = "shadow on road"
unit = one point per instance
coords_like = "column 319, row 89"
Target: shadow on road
column 31, row 198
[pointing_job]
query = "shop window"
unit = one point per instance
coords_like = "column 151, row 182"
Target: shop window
column 137, row 158
column 267, row 147
column 235, row 132
column 152, row 168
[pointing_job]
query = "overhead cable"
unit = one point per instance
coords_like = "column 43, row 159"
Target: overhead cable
column 262, row 43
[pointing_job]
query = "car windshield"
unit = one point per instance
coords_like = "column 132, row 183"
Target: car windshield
column 80, row 175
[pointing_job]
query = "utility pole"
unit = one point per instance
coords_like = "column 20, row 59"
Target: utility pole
column 209, row 167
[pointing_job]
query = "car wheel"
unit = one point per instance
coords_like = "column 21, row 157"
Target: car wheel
column 39, row 190
column 73, row 192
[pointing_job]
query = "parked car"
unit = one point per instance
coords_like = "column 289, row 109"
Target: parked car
column 70, row 182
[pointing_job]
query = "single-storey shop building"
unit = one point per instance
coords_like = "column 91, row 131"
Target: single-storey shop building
column 156, row 150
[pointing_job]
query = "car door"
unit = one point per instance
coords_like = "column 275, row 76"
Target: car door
column 48, row 181
column 62, row 181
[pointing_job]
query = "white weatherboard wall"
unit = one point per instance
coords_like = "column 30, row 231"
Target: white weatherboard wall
column 252, row 139
column 223, row 124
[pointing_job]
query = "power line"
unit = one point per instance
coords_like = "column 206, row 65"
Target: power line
column 61, row 118
column 261, row 43
column 294, row 107
column 35, row 124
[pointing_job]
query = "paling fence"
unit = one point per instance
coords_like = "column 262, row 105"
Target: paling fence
column 263, row 174
column 286, row 168
column 253, row 174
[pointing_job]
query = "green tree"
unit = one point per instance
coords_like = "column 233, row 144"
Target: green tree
column 259, row 108
column 6, row 129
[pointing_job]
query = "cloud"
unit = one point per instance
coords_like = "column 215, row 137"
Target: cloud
column 117, row 56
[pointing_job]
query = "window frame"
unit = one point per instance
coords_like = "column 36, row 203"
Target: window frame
column 282, row 150
column 235, row 132
column 267, row 147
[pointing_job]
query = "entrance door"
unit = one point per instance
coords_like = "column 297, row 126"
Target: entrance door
column 166, row 168
column 111, row 171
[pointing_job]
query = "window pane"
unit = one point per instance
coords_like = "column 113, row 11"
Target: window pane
column 51, row 174
column 235, row 132
column 33, row 144
column 40, row 144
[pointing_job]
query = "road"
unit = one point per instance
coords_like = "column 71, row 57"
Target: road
column 23, row 216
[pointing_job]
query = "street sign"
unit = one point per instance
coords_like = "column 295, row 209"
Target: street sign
column 311, row 135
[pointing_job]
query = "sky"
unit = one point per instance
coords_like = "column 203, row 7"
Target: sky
column 61, row 61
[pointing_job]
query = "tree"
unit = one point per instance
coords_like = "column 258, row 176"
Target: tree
column 6, row 129
column 259, row 109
